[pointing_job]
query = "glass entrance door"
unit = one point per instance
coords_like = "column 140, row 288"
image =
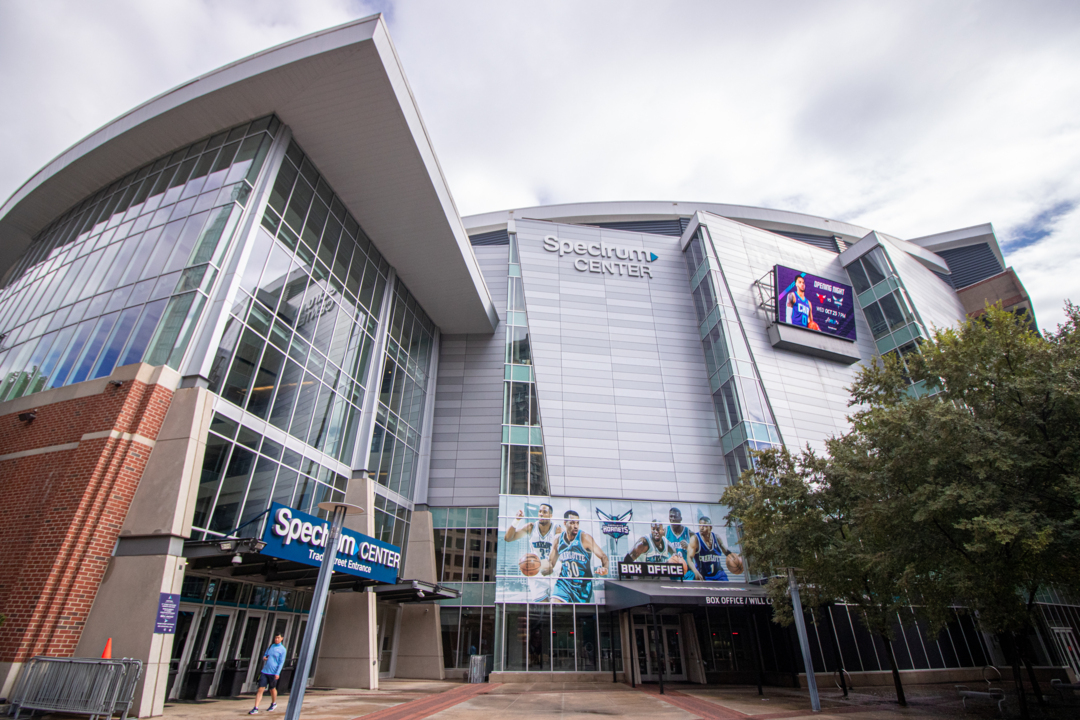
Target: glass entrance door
column 180, row 649
column 386, row 616
column 211, row 660
column 649, row 656
column 247, row 661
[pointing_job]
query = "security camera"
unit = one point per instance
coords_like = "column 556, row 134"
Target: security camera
column 420, row 593
column 237, row 559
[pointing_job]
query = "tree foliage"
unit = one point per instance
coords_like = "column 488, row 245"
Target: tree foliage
column 958, row 483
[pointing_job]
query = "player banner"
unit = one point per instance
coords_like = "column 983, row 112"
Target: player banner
column 814, row 303
column 560, row 550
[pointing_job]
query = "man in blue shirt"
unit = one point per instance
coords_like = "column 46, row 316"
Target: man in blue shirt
column 271, row 671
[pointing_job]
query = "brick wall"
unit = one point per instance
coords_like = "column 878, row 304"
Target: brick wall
column 66, row 481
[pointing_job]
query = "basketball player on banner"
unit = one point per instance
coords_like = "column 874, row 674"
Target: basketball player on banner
column 574, row 550
column 707, row 555
column 655, row 548
column 541, row 535
column 679, row 536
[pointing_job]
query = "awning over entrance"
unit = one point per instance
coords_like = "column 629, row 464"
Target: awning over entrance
column 624, row 594
column 415, row 591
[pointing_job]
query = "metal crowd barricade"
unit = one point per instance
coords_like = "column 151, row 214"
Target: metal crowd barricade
column 82, row 686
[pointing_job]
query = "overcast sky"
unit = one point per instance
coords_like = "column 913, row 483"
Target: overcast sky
column 906, row 117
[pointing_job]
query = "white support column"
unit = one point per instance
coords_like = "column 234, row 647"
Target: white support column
column 374, row 377
column 423, row 471
column 349, row 651
column 201, row 353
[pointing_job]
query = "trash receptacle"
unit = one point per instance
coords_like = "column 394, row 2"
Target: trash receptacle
column 477, row 668
column 285, row 679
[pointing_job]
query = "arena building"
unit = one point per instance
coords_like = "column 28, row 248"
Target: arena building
column 254, row 293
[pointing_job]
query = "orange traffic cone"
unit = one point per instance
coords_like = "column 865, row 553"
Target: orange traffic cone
column 106, row 654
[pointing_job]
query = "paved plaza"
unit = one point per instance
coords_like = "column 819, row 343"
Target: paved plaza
column 416, row 699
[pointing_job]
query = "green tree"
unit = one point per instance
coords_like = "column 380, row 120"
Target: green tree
column 989, row 465
column 965, row 491
column 835, row 527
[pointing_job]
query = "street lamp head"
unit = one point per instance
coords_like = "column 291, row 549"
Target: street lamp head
column 330, row 506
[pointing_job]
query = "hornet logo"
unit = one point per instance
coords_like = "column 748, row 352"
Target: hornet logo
column 616, row 526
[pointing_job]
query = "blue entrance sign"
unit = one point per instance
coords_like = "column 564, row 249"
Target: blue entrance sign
column 299, row 537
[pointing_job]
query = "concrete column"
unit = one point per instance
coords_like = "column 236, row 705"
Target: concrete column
column 348, row 654
column 419, row 641
column 349, row 651
column 148, row 559
column 629, row 650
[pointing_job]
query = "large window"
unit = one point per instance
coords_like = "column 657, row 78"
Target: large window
column 243, row 472
column 465, row 540
column 524, row 470
column 743, row 416
column 124, row 276
column 395, row 444
column 298, row 342
column 558, row 638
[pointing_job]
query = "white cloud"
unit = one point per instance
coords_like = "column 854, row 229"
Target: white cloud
column 907, row 117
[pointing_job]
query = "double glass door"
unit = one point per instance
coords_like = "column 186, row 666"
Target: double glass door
column 199, row 647
column 219, row 650
column 651, row 655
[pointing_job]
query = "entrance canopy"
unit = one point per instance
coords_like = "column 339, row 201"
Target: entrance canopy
column 625, row 594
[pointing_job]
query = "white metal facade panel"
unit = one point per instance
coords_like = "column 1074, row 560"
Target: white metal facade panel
column 467, row 430
column 936, row 302
column 620, row 373
column 808, row 395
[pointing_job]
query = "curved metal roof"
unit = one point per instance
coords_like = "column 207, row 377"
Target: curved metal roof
column 616, row 211
column 343, row 93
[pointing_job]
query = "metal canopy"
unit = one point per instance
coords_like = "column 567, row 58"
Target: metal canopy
column 258, row 567
column 415, row 591
column 625, row 594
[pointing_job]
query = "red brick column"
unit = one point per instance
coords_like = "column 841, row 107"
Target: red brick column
column 67, row 479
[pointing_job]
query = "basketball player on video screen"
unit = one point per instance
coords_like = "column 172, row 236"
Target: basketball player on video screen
column 542, row 535
column 575, row 549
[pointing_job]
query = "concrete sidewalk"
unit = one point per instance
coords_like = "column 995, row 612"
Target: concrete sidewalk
column 418, row 699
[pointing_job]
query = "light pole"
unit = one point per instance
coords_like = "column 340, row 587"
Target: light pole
column 804, row 642
column 318, row 602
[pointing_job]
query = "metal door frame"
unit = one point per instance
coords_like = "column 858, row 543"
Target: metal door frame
column 1063, row 636
column 651, row 674
column 222, row 659
column 252, row 679
column 200, row 612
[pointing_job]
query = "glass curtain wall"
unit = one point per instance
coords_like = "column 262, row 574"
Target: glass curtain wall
column 886, row 305
column 742, row 414
column 399, row 412
column 243, row 472
column 123, row 276
column 465, row 540
column 524, row 470
column 557, row 638
column 298, row 341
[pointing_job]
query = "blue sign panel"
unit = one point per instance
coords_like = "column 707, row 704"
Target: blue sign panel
column 299, row 537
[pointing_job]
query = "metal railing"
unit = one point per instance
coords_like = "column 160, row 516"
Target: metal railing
column 83, row 686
